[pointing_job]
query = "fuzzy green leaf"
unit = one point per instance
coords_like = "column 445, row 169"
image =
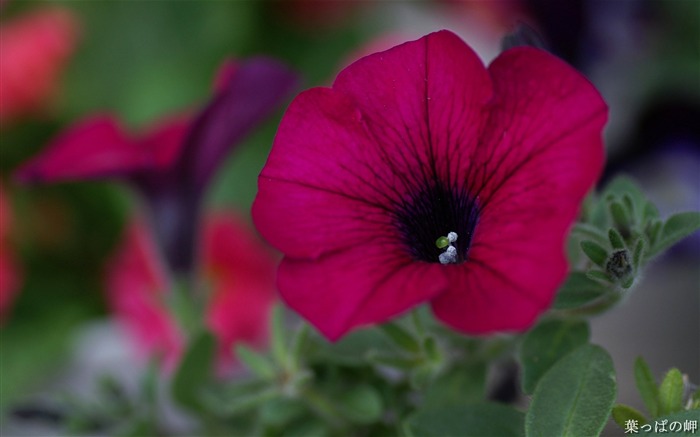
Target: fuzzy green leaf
column 574, row 397
column 578, row 290
column 671, row 393
column 255, row 362
column 598, row 275
column 646, row 385
column 621, row 414
column 676, row 228
column 546, row 344
column 595, row 252
column 638, row 254
column 481, row 419
column 616, row 240
column 619, row 215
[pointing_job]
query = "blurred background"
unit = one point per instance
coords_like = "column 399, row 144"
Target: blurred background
column 144, row 60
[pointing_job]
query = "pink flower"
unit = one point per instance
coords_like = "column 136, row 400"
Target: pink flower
column 415, row 143
column 171, row 163
column 10, row 275
column 35, row 48
column 234, row 265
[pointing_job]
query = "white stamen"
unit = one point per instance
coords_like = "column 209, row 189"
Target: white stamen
column 449, row 256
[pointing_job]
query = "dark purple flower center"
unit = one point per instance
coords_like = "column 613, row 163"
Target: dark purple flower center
column 432, row 212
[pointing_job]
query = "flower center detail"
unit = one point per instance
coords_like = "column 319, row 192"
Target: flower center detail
column 437, row 210
column 449, row 256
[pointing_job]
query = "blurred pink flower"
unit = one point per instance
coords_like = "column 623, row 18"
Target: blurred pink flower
column 10, row 274
column 235, row 268
column 422, row 143
column 35, row 48
column 170, row 163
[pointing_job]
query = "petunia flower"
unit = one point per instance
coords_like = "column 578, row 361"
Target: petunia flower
column 422, row 176
column 171, row 163
column 10, row 274
column 35, row 48
column 237, row 270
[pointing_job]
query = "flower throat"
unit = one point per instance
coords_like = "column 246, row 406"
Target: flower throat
column 431, row 213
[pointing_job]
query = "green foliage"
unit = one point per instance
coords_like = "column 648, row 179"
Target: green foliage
column 676, row 227
column 575, row 397
column 478, row 419
column 194, row 371
column 579, row 290
column 623, row 413
column 361, row 404
column 401, row 338
column 671, row 393
column 543, row 346
column 595, row 252
column 255, row 362
column 647, row 386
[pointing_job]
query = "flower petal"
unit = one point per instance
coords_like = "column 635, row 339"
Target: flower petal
column 423, row 102
column 504, row 286
column 545, row 121
column 253, row 91
column 241, row 272
column 317, row 176
column 35, row 48
column 361, row 286
column 135, row 285
column 93, row 148
column 542, row 152
column 341, row 160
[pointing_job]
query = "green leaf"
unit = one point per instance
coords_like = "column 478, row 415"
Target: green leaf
column 194, row 371
column 464, row 384
column 598, row 275
column 626, row 189
column 361, row 404
column 578, row 290
column 245, row 402
column 547, row 343
column 616, row 240
column 279, row 350
column 653, row 232
column 638, row 254
column 575, row 396
column 681, row 418
column 401, row 337
column 595, row 252
column 677, row 227
column 481, row 419
column 589, row 232
column 255, row 362
column 671, row 393
column 392, row 360
column 619, row 215
column 280, row 411
column 621, row 414
column 350, row 351
column 650, row 212
column 646, row 385
column 628, row 203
